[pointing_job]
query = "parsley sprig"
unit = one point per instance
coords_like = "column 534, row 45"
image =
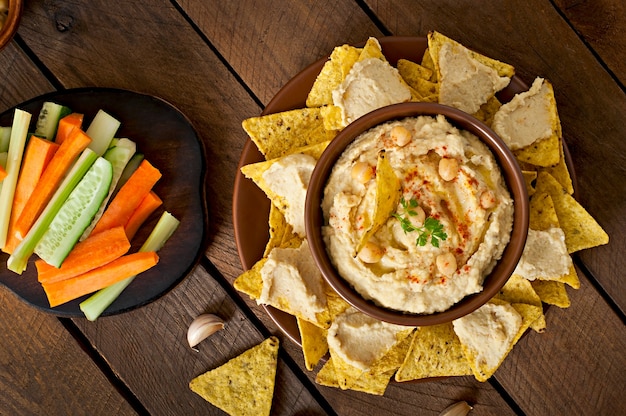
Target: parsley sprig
column 432, row 227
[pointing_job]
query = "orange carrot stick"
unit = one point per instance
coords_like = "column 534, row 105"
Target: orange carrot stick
column 96, row 279
column 38, row 154
column 129, row 197
column 147, row 206
column 66, row 125
column 89, row 254
column 51, row 179
column 3, row 173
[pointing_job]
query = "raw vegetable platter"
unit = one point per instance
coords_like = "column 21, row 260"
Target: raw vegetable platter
column 170, row 143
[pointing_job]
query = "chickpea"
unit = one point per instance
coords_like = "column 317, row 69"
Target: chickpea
column 420, row 216
column 362, row 172
column 400, row 135
column 371, row 253
column 446, row 264
column 487, row 199
column 448, row 168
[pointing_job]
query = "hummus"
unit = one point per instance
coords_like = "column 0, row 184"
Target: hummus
column 527, row 118
column 371, row 84
column 465, row 82
column 292, row 282
column 545, row 255
column 289, row 179
column 359, row 339
column 473, row 206
column 488, row 333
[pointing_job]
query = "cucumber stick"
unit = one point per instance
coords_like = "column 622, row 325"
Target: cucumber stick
column 48, row 120
column 75, row 214
column 101, row 131
column 118, row 156
column 102, row 299
column 5, row 137
column 19, row 132
column 19, row 258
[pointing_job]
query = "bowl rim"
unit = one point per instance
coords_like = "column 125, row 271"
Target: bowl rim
column 9, row 28
column 514, row 180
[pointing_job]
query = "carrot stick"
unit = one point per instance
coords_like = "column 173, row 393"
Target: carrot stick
column 3, row 173
column 66, row 125
column 50, row 179
column 96, row 279
column 147, row 206
column 38, row 154
column 129, row 197
column 89, row 254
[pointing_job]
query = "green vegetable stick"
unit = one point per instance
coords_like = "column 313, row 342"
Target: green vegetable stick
column 19, row 132
column 102, row 299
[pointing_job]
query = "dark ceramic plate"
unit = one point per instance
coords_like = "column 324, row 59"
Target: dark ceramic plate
column 169, row 141
column 251, row 206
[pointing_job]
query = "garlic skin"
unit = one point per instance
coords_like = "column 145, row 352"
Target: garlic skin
column 203, row 326
column 456, row 409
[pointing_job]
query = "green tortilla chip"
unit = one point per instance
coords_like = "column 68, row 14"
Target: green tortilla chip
column 244, row 386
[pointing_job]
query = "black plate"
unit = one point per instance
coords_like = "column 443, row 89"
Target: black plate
column 169, row 141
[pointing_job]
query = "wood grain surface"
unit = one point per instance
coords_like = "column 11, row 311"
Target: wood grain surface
column 221, row 62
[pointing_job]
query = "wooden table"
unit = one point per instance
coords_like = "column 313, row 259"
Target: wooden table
column 222, row 61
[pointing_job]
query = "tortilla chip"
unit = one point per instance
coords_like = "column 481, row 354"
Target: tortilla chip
column 417, row 78
column 244, row 385
column 544, row 152
column 388, row 191
column 436, row 40
column 428, row 63
column 435, row 351
column 336, row 304
column 276, row 134
column 280, row 231
column 327, row 80
column 542, row 215
column 393, row 358
column 255, row 171
column 581, row 229
column 488, row 110
column 250, row 281
column 372, row 49
column 314, row 345
column 370, row 383
column 333, row 117
column 530, row 176
column 519, row 290
column 552, row 293
column 560, row 172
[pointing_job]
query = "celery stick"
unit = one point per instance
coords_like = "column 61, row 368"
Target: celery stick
column 118, row 156
column 3, row 159
column 101, row 132
column 5, row 138
column 19, row 132
column 98, row 302
column 131, row 166
column 19, row 259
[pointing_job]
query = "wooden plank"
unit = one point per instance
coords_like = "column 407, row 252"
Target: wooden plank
column 45, row 371
column 576, row 366
column 268, row 42
column 601, row 24
column 148, row 349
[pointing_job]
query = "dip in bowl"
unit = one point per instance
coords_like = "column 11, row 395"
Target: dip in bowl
column 416, row 214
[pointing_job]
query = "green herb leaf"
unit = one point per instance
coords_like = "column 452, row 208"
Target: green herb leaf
column 432, row 228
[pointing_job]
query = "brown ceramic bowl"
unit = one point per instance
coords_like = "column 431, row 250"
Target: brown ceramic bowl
column 513, row 179
column 8, row 29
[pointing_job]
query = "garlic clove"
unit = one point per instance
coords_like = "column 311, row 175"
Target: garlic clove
column 203, row 326
column 456, row 409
